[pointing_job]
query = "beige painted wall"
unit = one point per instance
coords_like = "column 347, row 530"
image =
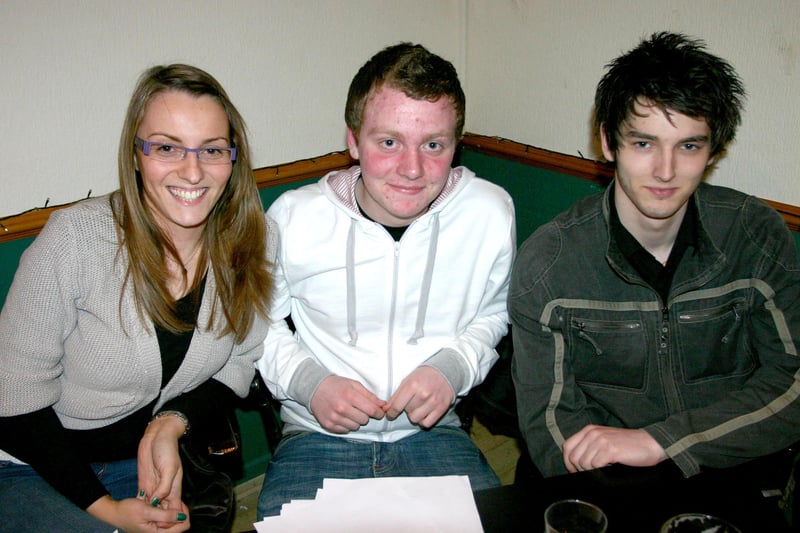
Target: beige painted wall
column 529, row 69
column 533, row 67
column 69, row 67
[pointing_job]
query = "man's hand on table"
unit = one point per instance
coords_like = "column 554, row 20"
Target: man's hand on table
column 599, row 446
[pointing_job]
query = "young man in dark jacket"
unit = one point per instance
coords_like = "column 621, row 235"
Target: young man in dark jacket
column 659, row 319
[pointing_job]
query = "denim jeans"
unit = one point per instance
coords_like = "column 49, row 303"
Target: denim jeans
column 29, row 504
column 303, row 460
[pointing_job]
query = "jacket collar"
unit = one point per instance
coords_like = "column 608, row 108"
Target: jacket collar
column 703, row 263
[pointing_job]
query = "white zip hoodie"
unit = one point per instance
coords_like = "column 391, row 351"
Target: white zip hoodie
column 371, row 309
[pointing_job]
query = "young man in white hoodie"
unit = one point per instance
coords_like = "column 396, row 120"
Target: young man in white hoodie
column 395, row 274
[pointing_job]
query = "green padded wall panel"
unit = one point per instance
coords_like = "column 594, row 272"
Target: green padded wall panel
column 539, row 195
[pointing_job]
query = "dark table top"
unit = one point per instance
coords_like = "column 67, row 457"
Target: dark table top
column 640, row 500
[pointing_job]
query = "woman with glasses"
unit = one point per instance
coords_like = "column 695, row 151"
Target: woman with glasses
column 134, row 319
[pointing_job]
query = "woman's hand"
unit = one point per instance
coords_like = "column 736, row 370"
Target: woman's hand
column 134, row 515
column 159, row 464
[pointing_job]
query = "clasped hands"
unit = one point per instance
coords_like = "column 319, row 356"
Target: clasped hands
column 342, row 405
column 158, row 506
column 598, row 446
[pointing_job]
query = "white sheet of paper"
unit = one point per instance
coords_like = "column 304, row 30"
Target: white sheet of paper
column 295, row 506
column 442, row 504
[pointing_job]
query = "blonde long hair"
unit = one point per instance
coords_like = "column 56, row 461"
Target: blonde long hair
column 234, row 237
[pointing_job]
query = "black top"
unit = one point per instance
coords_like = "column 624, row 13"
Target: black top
column 395, row 231
column 658, row 276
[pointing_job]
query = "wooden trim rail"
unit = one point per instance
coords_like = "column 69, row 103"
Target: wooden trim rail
column 303, row 169
column 538, row 157
column 31, row 222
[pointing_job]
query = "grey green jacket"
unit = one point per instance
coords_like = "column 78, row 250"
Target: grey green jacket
column 711, row 374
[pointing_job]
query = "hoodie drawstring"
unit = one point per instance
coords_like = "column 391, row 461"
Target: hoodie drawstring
column 425, row 290
column 351, row 283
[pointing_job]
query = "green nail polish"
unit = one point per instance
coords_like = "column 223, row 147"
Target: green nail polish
column 181, row 517
column 141, row 493
column 154, row 502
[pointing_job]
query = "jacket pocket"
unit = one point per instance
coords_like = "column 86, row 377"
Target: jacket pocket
column 609, row 352
column 712, row 342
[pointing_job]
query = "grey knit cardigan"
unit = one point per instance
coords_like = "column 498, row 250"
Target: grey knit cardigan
column 64, row 343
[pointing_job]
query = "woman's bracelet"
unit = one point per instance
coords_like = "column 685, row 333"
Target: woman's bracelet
column 176, row 414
